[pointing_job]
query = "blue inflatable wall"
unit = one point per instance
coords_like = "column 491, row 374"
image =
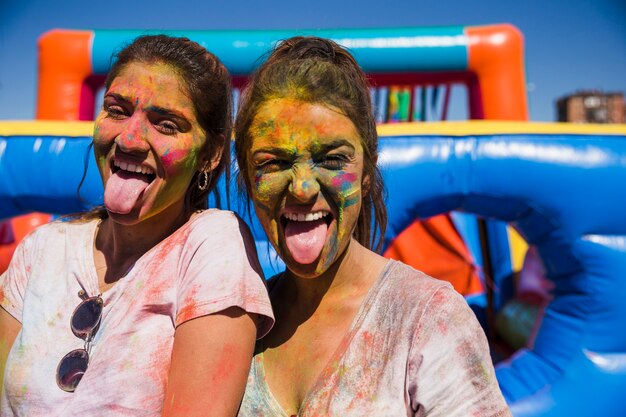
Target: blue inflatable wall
column 561, row 189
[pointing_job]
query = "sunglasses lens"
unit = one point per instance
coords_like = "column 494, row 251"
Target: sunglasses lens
column 86, row 317
column 71, row 369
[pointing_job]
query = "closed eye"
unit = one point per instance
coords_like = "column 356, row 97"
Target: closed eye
column 333, row 162
column 273, row 165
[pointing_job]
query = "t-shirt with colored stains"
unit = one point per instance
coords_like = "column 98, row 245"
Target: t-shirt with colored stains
column 200, row 269
column 414, row 349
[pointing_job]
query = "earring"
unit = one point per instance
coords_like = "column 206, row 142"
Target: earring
column 203, row 180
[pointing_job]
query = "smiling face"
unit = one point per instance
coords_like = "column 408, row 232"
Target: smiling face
column 305, row 167
column 148, row 143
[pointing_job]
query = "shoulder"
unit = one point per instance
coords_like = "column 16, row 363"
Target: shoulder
column 416, row 296
column 217, row 221
column 407, row 281
column 219, row 228
column 436, row 309
column 218, row 232
column 50, row 233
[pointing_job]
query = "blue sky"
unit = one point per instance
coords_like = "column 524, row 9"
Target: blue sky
column 570, row 45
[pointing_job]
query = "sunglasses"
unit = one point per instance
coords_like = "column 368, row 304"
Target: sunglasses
column 84, row 323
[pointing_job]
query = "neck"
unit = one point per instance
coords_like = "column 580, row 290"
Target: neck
column 121, row 245
column 348, row 276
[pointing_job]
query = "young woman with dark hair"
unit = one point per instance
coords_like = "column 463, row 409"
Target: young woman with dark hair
column 151, row 304
column 356, row 334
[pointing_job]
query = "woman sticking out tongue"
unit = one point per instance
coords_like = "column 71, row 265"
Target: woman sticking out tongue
column 154, row 302
column 355, row 334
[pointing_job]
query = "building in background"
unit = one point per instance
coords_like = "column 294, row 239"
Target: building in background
column 591, row 107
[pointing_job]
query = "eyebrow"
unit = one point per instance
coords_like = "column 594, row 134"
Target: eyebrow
column 327, row 147
column 156, row 109
column 282, row 152
column 166, row 112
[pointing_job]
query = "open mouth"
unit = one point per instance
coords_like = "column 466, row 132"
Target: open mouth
column 306, row 217
column 315, row 216
column 126, row 185
column 132, row 170
column 305, row 234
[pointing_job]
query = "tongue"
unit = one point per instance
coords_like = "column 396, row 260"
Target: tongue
column 122, row 191
column 305, row 240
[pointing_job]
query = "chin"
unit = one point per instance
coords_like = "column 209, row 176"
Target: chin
column 128, row 219
column 324, row 262
column 309, row 271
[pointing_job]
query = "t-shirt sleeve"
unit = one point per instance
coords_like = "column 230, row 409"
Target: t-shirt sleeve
column 450, row 370
column 14, row 280
column 220, row 269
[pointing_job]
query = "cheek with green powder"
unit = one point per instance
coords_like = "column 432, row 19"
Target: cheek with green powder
column 267, row 188
column 348, row 186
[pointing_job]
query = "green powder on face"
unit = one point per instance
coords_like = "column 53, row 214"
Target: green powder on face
column 263, row 188
column 342, row 204
column 263, row 129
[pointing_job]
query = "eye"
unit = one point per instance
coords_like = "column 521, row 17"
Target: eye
column 333, row 162
column 167, row 127
column 272, row 165
column 115, row 111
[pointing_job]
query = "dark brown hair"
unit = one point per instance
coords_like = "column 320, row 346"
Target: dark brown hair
column 209, row 86
column 317, row 70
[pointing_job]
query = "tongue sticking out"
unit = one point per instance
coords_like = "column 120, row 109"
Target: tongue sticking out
column 305, row 240
column 123, row 189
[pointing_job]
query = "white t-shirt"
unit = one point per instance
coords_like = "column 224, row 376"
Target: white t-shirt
column 202, row 268
column 414, row 349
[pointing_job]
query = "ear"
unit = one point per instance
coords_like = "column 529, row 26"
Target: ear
column 365, row 184
column 212, row 163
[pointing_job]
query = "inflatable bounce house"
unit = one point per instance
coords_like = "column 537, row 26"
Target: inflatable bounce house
column 465, row 199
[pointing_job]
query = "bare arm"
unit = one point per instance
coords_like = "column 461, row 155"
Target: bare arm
column 9, row 328
column 210, row 363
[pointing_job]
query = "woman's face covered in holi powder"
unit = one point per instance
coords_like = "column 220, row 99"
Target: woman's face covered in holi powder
column 305, row 167
column 148, row 143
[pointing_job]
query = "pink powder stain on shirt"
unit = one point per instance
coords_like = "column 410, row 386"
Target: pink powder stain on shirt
column 170, row 247
column 443, row 327
column 369, row 338
column 473, row 363
column 191, row 308
column 154, row 288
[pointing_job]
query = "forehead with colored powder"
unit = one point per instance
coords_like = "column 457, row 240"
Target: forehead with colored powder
column 296, row 125
column 154, row 84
